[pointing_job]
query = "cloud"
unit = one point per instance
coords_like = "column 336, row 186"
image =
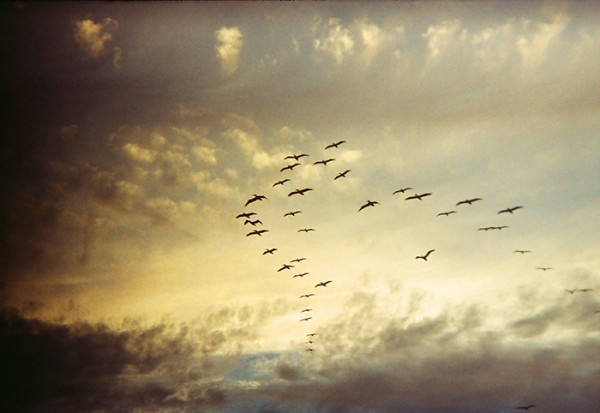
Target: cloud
column 338, row 43
column 93, row 39
column 230, row 42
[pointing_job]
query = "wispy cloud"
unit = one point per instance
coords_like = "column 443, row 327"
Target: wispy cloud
column 230, row 42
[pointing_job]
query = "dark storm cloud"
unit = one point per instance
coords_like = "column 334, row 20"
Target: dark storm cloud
column 48, row 367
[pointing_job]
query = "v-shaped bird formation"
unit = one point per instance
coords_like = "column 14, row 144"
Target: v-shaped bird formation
column 460, row 207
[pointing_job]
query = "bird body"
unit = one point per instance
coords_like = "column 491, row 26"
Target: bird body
column 291, row 213
column 509, row 210
column 469, row 201
column 334, row 144
column 401, row 190
column 283, row 181
column 424, row 257
column 306, row 295
column 306, row 319
column 253, row 223
column 305, row 230
column 298, row 260
column 446, row 213
column 323, row 283
column 285, row 267
column 527, row 407
column 301, row 275
column 324, row 162
column 306, row 310
column 418, row 196
column 269, row 251
column 544, row 268
column 254, row 199
column 245, row 215
column 258, row 232
column 300, row 191
column 296, row 157
column 342, row 174
column 572, row 291
column 522, row 251
column 289, row 167
column 369, row 203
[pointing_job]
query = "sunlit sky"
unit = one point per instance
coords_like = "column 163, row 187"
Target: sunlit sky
column 137, row 132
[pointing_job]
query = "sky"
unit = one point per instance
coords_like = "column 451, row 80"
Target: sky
column 136, row 133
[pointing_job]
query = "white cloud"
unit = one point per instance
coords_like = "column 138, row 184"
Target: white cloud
column 205, row 154
column 139, row 154
column 338, row 43
column 230, row 45
column 93, row 38
column 441, row 37
column 372, row 37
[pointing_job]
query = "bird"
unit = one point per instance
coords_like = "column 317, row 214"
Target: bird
column 245, row 215
column 305, row 230
column 544, row 268
column 296, row 157
column 283, row 181
column 585, row 290
column 499, row 228
column 301, row 275
column 306, row 295
column 254, row 199
column 401, row 190
column 310, row 342
column 469, row 201
column 484, row 228
column 323, row 283
column 285, row 267
column 306, row 310
column 298, row 260
column 418, row 196
column 300, row 191
column 572, row 291
column 527, row 407
column 258, row 232
column 253, row 223
column 311, row 334
column 289, row 167
column 369, row 203
column 424, row 257
column 341, row 174
column 334, row 144
column 509, row 210
column 522, row 251
column 446, row 213
column 310, row 349
column 324, row 161
column 269, row 251
column 291, row 213
column 306, row 319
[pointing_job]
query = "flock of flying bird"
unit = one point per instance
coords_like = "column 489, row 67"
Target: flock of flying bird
column 368, row 204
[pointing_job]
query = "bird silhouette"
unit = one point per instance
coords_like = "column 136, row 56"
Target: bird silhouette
column 509, row 210
column 585, row 290
column 306, row 295
column 544, row 268
column 334, row 144
column 269, row 251
column 323, row 283
column 401, row 190
column 424, row 257
column 254, row 199
column 418, row 196
column 289, row 167
column 527, row 407
column 499, row 228
column 572, row 291
column 298, row 259
column 300, row 191
column 341, row 174
column 258, row 232
column 468, row 201
column 301, row 275
column 306, row 319
column 305, row 230
column 446, row 213
column 484, row 228
column 306, row 310
column 369, row 203
column 253, row 223
column 311, row 334
column 324, row 162
column 285, row 267
column 310, row 349
column 296, row 157
column 245, row 215
column 522, row 251
column 283, row 181
column 291, row 213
